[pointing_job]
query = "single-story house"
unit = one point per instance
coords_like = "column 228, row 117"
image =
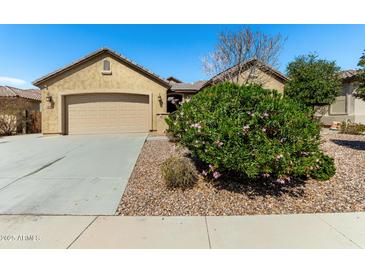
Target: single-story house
column 105, row 92
column 17, row 106
column 347, row 106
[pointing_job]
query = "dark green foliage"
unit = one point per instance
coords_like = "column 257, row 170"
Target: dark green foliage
column 324, row 169
column 313, row 81
column 352, row 128
column 179, row 172
column 251, row 132
column 360, row 91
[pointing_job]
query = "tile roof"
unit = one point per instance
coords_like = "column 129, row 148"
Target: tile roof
column 221, row 76
column 196, row 86
column 32, row 94
column 172, row 80
column 95, row 53
column 348, row 74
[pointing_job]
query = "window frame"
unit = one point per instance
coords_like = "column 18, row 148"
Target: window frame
column 104, row 71
column 331, row 112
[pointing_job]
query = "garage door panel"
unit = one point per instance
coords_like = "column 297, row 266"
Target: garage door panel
column 107, row 113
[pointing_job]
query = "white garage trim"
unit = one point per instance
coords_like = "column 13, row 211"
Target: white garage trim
column 61, row 103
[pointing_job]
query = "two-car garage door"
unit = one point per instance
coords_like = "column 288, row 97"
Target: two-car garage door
column 104, row 113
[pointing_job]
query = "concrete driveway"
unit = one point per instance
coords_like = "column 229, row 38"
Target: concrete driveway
column 66, row 175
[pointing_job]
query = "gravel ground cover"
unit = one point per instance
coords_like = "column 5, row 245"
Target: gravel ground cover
column 146, row 193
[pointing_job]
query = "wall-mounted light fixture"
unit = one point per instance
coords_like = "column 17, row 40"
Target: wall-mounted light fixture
column 49, row 98
column 50, row 102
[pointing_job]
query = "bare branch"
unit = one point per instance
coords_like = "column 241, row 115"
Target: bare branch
column 235, row 49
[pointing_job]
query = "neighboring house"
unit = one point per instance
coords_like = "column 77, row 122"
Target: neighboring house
column 17, row 106
column 32, row 97
column 262, row 74
column 346, row 107
column 105, row 92
column 253, row 71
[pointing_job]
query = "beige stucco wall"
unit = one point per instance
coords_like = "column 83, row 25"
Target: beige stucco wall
column 10, row 105
column 161, row 123
column 88, row 78
column 353, row 108
column 35, row 105
column 32, row 104
column 359, row 111
column 22, row 103
column 268, row 81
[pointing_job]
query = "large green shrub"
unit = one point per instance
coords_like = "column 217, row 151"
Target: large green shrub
column 252, row 132
column 313, row 81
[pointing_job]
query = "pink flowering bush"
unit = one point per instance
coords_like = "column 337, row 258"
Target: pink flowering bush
column 251, row 132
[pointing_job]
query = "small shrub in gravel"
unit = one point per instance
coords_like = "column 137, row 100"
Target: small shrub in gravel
column 251, row 132
column 179, row 172
column 352, row 128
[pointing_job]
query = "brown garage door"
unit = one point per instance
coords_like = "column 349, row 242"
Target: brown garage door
column 106, row 113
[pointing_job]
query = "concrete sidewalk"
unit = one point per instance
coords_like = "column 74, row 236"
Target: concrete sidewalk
column 345, row 230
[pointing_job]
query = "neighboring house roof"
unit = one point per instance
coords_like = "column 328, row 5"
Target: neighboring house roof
column 31, row 94
column 86, row 58
column 350, row 74
column 187, row 87
column 172, row 79
column 221, row 76
column 196, row 86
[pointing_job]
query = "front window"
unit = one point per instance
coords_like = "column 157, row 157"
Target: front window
column 339, row 107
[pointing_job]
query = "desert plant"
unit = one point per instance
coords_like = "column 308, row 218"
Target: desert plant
column 252, row 132
column 352, row 128
column 179, row 172
column 8, row 124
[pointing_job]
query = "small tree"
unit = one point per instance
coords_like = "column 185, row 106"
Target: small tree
column 360, row 91
column 313, row 81
column 235, row 49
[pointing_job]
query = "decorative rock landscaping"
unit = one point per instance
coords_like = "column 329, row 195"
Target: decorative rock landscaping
column 147, row 194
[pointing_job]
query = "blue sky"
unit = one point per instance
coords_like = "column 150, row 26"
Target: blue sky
column 28, row 52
